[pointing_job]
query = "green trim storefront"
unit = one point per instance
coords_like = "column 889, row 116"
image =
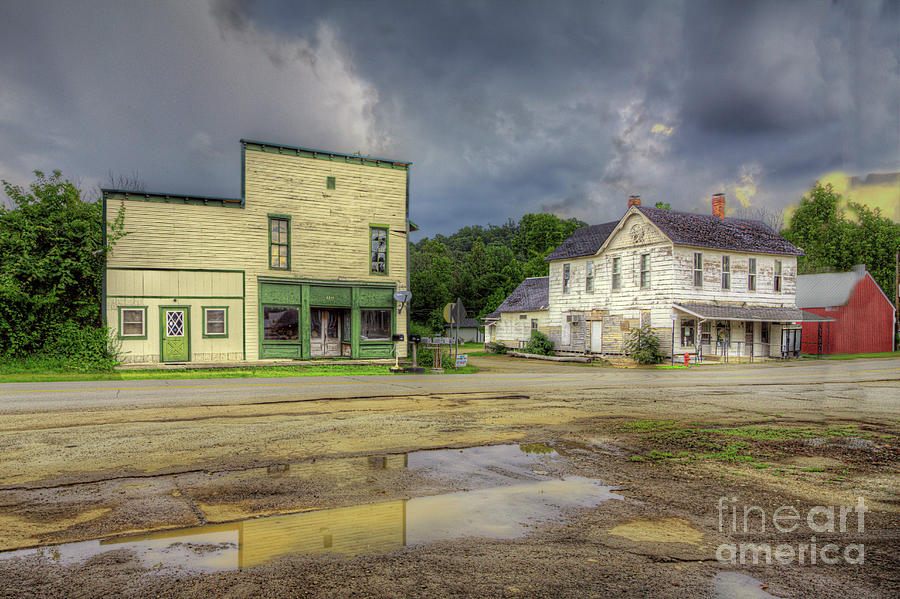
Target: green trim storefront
column 304, row 319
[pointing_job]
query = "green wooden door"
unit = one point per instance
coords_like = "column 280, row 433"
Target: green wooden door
column 175, row 324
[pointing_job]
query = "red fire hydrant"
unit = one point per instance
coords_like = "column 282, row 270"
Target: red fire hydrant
column 687, row 359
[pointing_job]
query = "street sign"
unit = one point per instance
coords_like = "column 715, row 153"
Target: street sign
column 454, row 312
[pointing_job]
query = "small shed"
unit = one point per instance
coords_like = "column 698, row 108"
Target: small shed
column 863, row 315
column 470, row 330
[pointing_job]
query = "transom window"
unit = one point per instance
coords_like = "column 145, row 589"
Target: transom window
column 565, row 278
column 215, row 322
column 589, row 276
column 280, row 242
column 379, row 247
column 726, row 272
column 133, row 322
column 645, row 270
column 751, row 275
column 698, row 269
column 616, row 273
column 778, row 275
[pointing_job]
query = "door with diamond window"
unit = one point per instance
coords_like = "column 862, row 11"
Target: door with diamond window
column 175, row 323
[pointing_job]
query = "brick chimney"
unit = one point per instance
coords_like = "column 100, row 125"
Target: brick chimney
column 718, row 205
column 634, row 201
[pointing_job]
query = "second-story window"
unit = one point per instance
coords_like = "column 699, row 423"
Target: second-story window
column 617, row 273
column 379, row 247
column 645, row 270
column 726, row 272
column 698, row 269
column 565, row 278
column 751, row 275
column 280, row 242
column 778, row 275
column 589, row 276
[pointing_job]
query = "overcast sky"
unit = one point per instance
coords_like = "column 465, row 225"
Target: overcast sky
column 503, row 107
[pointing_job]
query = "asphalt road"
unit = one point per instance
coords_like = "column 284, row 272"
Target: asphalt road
column 500, row 376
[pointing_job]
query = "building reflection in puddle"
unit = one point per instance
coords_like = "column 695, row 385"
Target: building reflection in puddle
column 499, row 512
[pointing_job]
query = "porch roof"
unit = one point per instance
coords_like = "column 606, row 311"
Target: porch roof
column 710, row 312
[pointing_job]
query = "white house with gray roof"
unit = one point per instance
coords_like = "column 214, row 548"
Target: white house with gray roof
column 525, row 309
column 704, row 283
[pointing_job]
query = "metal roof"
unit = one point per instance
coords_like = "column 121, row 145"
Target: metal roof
column 756, row 314
column 827, row 289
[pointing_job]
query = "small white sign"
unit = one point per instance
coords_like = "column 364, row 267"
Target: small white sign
column 461, row 360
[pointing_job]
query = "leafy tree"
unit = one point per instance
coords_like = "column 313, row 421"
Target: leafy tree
column 832, row 241
column 481, row 265
column 663, row 205
column 51, row 272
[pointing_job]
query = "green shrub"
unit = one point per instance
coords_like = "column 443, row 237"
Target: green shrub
column 539, row 344
column 426, row 358
column 643, row 346
column 495, row 347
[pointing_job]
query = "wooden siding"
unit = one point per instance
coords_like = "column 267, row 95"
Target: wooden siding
column 671, row 282
column 329, row 230
column 511, row 329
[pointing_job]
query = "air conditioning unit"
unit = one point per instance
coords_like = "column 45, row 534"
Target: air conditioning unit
column 573, row 318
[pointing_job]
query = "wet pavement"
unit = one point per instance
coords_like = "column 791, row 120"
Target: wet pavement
column 510, row 488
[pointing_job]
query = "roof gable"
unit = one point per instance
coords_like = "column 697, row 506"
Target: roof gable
column 583, row 242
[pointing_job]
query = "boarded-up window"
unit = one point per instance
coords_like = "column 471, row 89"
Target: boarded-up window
column 376, row 325
column 698, row 269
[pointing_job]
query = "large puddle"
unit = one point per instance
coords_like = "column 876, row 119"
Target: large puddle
column 513, row 487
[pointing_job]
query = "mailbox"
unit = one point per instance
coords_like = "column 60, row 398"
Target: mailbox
column 397, row 337
column 415, row 338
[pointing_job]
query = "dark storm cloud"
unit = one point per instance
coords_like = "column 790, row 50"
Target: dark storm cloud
column 503, row 107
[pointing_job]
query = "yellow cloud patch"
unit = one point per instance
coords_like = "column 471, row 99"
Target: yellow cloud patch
column 662, row 129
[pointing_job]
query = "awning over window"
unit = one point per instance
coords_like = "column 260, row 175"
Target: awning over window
column 709, row 312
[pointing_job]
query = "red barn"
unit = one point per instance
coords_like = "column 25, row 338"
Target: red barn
column 863, row 315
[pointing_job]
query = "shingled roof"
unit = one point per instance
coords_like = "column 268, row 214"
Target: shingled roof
column 531, row 294
column 583, row 242
column 707, row 230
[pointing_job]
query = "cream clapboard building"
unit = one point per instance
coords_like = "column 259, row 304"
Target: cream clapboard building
column 702, row 282
column 303, row 265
